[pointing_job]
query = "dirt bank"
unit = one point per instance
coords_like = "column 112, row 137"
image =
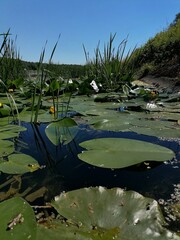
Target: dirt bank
column 169, row 85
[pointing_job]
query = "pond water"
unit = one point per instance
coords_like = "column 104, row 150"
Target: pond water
column 63, row 171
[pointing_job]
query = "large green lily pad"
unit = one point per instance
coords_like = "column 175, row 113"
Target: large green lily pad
column 19, row 164
column 17, row 220
column 62, row 131
column 57, row 230
column 110, row 214
column 122, row 152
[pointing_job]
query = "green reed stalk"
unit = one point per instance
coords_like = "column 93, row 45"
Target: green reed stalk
column 111, row 67
column 11, row 67
column 11, row 103
column 42, row 77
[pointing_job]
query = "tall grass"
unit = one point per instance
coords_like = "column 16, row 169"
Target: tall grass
column 7, row 52
column 111, row 67
column 11, row 67
column 40, row 84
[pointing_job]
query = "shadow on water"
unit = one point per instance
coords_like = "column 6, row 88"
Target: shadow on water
column 63, row 171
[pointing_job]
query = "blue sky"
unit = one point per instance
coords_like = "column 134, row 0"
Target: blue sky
column 82, row 22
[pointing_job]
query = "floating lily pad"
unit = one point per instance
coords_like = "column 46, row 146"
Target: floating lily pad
column 111, row 214
column 57, row 230
column 62, row 131
column 113, row 124
column 6, row 148
column 43, row 116
column 122, row 152
column 10, row 131
column 19, row 164
column 5, row 111
column 163, row 132
column 4, row 121
column 17, row 220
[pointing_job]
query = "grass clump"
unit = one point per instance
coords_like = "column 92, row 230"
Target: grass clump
column 110, row 68
column 11, row 66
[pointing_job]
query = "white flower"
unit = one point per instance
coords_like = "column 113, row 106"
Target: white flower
column 151, row 106
column 94, row 86
column 70, row 81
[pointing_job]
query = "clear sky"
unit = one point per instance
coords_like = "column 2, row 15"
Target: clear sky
column 82, row 22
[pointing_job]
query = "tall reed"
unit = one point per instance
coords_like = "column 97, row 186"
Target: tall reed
column 11, row 67
column 42, row 75
column 8, row 51
column 111, row 67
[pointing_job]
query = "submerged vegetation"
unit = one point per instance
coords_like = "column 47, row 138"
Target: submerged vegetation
column 77, row 144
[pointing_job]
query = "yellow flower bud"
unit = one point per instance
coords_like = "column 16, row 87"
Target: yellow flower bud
column 51, row 110
column 10, row 90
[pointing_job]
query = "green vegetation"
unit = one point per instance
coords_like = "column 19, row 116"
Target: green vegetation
column 61, row 104
column 119, row 153
column 111, row 69
column 11, row 66
column 161, row 54
column 89, row 214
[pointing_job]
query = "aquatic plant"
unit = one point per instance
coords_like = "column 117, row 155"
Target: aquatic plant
column 112, row 67
column 100, row 213
column 40, row 83
column 62, row 131
column 11, row 66
column 88, row 213
column 122, row 152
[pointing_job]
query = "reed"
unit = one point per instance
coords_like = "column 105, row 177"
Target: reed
column 11, row 67
column 8, row 51
column 111, row 67
column 42, row 74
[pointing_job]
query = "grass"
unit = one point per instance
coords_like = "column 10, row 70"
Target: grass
column 111, row 67
column 42, row 75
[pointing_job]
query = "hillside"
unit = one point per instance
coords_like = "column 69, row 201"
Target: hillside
column 160, row 56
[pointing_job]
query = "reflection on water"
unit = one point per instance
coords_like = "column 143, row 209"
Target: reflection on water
column 63, row 171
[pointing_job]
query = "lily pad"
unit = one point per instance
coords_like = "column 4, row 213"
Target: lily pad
column 5, row 111
column 63, row 230
column 17, row 220
column 163, row 132
column 6, row 148
column 10, row 131
column 112, row 214
column 19, row 164
column 62, row 131
column 122, row 152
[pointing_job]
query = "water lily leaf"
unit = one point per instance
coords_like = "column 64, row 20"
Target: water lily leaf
column 19, row 164
column 17, row 220
column 173, row 132
column 113, row 214
column 4, row 121
column 6, row 148
column 5, row 111
column 43, row 116
column 152, row 124
column 112, row 124
column 10, row 131
column 62, row 131
column 12, row 128
column 166, row 116
column 122, row 152
column 58, row 230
